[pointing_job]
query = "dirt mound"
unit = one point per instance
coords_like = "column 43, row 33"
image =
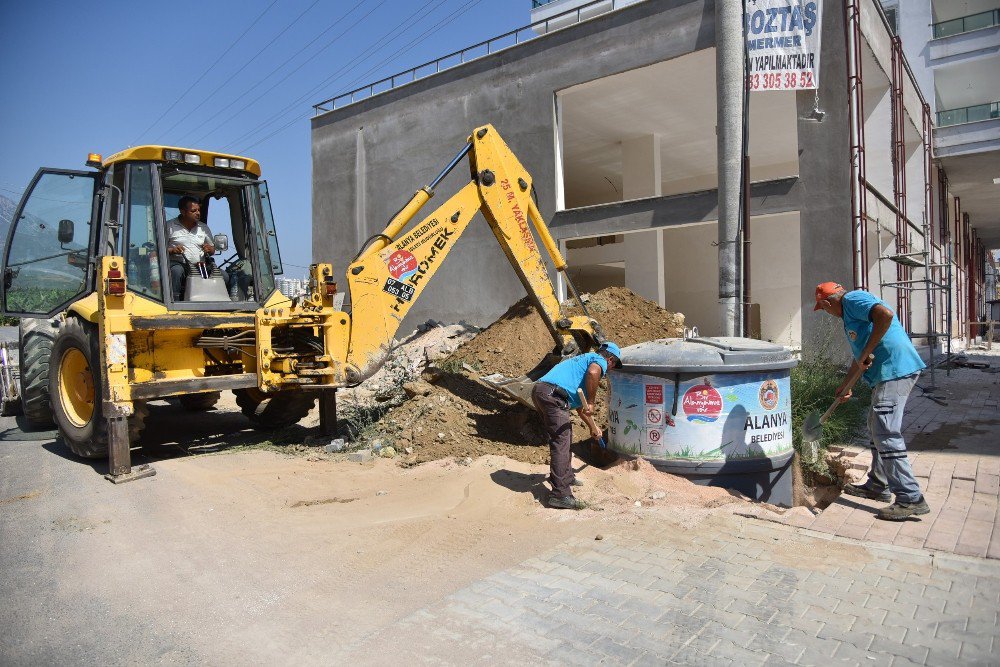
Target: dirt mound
column 518, row 340
column 456, row 416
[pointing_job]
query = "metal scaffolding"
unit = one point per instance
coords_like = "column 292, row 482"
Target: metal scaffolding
column 943, row 258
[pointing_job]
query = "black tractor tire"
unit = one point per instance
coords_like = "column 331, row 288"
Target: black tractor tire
column 200, row 402
column 35, row 337
column 271, row 412
column 86, row 434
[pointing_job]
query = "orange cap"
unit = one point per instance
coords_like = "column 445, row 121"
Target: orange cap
column 826, row 290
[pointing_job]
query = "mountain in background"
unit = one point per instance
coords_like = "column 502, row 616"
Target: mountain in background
column 6, row 213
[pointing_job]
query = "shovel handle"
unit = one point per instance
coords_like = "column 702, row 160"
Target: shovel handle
column 583, row 399
column 852, row 380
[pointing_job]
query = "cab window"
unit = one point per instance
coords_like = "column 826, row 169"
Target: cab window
column 47, row 261
column 231, row 207
column 143, row 266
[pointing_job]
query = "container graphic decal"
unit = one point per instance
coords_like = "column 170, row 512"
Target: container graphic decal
column 719, row 417
column 702, row 404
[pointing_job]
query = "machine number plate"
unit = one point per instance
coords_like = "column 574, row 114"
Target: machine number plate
column 398, row 289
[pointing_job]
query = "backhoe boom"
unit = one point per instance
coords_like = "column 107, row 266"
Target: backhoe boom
column 389, row 275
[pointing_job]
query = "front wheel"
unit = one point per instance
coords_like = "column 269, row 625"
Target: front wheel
column 75, row 381
column 199, row 402
column 270, row 412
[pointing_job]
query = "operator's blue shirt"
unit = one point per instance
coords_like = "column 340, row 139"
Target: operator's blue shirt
column 895, row 356
column 571, row 373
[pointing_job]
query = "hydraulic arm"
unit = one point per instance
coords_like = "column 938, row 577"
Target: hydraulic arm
column 390, row 274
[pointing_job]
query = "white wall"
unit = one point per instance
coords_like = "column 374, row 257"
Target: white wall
column 878, row 129
column 776, row 276
column 691, row 272
column 688, row 282
column 644, row 255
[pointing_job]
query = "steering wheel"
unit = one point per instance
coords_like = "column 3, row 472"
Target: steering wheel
column 229, row 261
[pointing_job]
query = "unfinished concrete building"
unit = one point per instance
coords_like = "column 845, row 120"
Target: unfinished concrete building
column 614, row 113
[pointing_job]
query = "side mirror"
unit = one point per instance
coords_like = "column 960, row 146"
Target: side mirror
column 65, row 231
column 221, row 242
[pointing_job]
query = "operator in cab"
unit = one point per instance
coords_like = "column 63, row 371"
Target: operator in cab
column 188, row 241
column 554, row 395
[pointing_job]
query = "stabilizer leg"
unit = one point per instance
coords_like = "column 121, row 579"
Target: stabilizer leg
column 120, row 454
column 328, row 412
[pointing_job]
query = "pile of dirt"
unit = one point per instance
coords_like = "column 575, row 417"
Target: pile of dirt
column 518, row 340
column 631, row 483
column 451, row 414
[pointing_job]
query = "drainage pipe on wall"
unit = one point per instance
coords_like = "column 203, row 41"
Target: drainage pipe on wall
column 730, row 81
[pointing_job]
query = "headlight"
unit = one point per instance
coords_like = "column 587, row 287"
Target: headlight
column 222, row 162
column 173, row 155
column 238, row 164
column 192, row 158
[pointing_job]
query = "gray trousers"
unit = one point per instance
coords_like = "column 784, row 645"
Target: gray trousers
column 555, row 418
column 890, row 463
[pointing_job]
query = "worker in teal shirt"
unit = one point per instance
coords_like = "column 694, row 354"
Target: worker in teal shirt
column 554, row 395
column 891, row 366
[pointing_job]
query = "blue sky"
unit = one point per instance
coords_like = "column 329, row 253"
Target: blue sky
column 97, row 77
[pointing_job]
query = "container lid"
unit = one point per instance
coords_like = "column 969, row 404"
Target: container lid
column 705, row 354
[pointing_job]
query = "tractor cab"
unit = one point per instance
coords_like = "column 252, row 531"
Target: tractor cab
column 127, row 208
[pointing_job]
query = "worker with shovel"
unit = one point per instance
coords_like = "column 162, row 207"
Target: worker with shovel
column 554, row 395
column 891, row 365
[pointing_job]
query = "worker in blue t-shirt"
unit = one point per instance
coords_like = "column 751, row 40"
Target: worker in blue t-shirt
column 882, row 347
column 554, row 395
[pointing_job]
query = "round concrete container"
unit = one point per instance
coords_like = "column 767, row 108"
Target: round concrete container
column 715, row 410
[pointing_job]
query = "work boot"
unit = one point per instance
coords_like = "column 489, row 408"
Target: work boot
column 864, row 491
column 900, row 511
column 566, row 503
column 576, row 482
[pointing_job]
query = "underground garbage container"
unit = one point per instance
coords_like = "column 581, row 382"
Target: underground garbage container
column 717, row 411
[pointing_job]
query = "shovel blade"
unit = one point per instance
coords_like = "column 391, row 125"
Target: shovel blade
column 518, row 388
column 812, row 428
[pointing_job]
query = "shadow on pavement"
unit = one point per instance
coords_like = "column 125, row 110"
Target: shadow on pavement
column 171, row 432
column 25, row 431
column 520, row 482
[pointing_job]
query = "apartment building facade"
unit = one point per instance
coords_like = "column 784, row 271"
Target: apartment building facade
column 614, row 115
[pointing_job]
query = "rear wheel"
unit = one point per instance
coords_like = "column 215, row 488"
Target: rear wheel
column 196, row 402
column 35, row 338
column 76, row 392
column 269, row 412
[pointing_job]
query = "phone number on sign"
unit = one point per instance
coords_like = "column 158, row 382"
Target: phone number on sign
column 781, row 80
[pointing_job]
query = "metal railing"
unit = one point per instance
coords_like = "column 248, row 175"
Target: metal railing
column 468, row 54
column 535, row 4
column 969, row 114
column 967, row 23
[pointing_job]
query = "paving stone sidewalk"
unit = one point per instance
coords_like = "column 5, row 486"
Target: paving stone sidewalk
column 955, row 452
column 728, row 591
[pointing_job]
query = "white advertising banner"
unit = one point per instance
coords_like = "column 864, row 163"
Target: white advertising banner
column 783, row 42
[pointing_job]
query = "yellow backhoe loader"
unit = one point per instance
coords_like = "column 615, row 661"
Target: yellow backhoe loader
column 113, row 315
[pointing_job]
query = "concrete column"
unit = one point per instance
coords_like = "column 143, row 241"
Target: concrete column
column 644, row 268
column 729, row 68
column 641, row 170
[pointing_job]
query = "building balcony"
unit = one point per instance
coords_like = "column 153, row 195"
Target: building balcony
column 549, row 15
column 964, row 23
column 973, row 136
column 969, row 36
column 970, row 114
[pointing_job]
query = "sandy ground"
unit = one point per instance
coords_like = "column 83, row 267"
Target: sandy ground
column 270, row 556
